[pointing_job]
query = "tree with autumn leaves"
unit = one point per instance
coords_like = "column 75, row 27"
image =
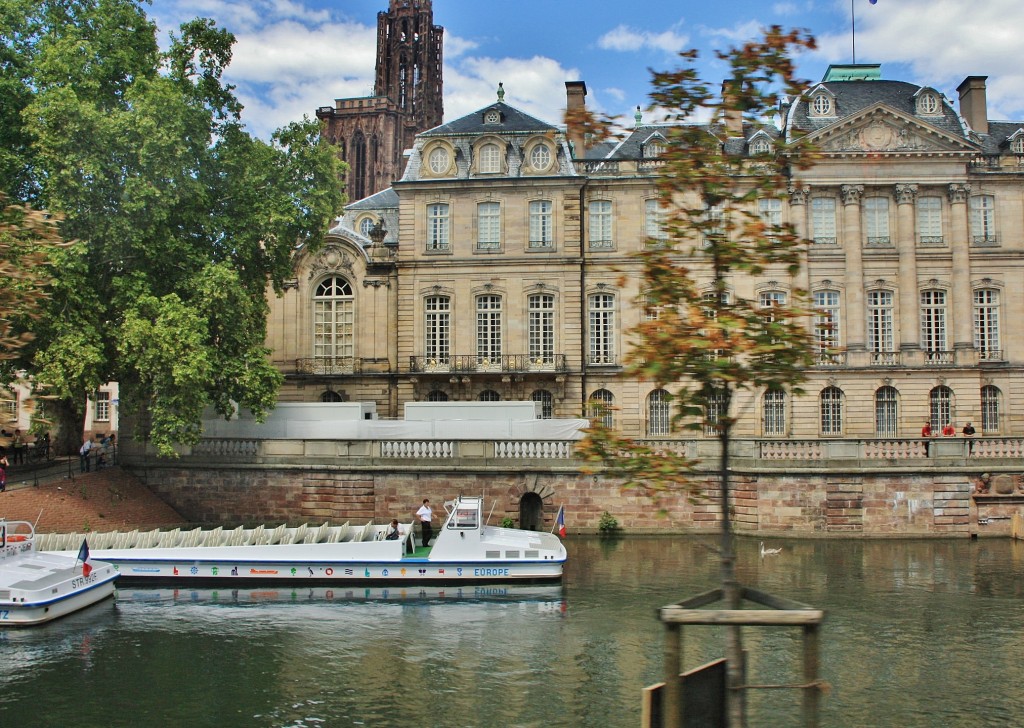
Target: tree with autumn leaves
column 715, row 343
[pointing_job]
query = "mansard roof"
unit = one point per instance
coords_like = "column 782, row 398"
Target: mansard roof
column 997, row 140
column 511, row 121
column 852, row 97
column 632, row 147
column 378, row 201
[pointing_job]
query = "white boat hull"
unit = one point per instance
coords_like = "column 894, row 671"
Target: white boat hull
column 32, row 613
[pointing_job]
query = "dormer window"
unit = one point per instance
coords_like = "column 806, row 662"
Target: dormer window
column 654, row 149
column 821, row 105
column 1017, row 143
column 540, row 157
column 928, row 103
column 490, row 159
column 439, row 160
column 493, row 116
column 366, row 224
column 760, row 146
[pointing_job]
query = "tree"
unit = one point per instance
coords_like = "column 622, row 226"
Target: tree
column 714, row 338
column 185, row 219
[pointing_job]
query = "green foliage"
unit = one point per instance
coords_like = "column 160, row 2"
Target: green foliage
column 508, row 522
column 185, row 219
column 608, row 525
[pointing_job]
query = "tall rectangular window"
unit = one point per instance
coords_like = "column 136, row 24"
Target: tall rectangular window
column 714, row 410
column 488, row 329
column 541, row 316
column 437, row 226
column 823, row 220
column 488, row 226
column 714, row 218
column 989, row 409
column 986, row 323
column 437, row 329
column 831, row 411
column 885, row 412
column 826, row 324
column 880, row 330
column 541, row 235
column 101, row 413
column 601, row 328
column 876, row 220
column 659, row 416
column 933, row 323
column 654, row 222
column 929, row 220
column 983, row 219
column 770, row 210
column 773, row 421
column 600, row 224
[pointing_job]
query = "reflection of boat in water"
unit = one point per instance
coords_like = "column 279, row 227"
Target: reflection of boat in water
column 551, row 594
column 38, row 587
column 465, row 551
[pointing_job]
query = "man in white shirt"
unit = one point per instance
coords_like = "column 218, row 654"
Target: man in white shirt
column 425, row 516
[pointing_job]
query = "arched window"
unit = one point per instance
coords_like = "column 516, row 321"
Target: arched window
column 773, row 413
column 436, row 395
column 601, row 407
column 365, row 226
column 490, row 159
column 547, row 403
column 760, row 146
column 333, row 322
column 358, row 166
column 886, row 412
column 821, row 105
column 831, row 410
column 331, row 396
column 659, row 420
column 990, row 396
column 489, row 395
column 940, row 405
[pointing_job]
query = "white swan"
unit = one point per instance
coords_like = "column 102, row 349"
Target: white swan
column 769, row 552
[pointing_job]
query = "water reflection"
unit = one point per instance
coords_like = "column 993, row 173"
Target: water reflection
column 917, row 633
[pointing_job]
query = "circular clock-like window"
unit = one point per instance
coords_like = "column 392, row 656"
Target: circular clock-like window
column 492, row 117
column 540, row 157
column 439, row 160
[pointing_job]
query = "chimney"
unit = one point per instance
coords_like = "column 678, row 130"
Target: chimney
column 733, row 118
column 972, row 103
column 575, row 108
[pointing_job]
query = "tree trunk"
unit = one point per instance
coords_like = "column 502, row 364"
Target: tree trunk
column 68, row 426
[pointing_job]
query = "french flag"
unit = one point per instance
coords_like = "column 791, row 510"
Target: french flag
column 83, row 556
column 561, row 521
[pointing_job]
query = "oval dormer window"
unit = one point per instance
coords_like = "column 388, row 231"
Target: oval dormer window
column 439, row 160
column 928, row 103
column 365, row 226
column 540, row 157
column 821, row 105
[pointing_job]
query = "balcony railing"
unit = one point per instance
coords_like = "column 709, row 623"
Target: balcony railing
column 329, row 365
column 938, row 358
column 885, row 358
column 516, row 363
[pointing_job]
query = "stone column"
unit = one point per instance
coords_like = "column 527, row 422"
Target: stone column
column 910, row 332
column 798, row 197
column 961, row 304
column 854, row 278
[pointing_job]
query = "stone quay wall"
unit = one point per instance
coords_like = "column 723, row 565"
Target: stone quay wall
column 300, row 482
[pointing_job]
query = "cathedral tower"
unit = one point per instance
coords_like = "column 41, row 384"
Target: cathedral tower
column 374, row 131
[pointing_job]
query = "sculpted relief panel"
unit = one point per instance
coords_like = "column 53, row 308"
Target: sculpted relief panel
column 879, row 136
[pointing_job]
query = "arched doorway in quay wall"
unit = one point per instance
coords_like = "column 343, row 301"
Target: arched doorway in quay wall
column 531, row 512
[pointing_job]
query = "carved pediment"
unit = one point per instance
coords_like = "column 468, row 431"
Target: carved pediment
column 331, row 259
column 880, row 129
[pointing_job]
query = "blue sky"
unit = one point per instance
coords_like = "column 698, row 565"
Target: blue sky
column 295, row 55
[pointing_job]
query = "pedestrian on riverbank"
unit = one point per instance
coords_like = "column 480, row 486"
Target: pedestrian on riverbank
column 426, row 516
column 18, row 445
column 3, row 470
column 83, row 454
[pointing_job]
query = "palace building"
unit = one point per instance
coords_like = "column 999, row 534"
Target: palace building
column 501, row 266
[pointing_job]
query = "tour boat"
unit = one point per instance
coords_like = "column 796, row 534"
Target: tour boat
column 37, row 587
column 465, row 550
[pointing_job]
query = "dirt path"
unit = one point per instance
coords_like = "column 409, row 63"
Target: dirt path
column 107, row 500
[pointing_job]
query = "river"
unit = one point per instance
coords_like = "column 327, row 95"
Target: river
column 917, row 633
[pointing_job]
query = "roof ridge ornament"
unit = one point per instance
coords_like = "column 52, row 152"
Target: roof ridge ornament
column 501, row 92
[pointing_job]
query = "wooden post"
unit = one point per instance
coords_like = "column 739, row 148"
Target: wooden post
column 672, row 704
column 812, row 695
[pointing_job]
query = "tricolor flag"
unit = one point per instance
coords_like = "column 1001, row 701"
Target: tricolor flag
column 83, row 556
column 561, row 521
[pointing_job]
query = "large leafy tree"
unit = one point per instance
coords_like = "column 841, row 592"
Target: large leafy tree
column 714, row 343
column 184, row 218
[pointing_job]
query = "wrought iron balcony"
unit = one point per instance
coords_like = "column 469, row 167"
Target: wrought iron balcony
column 329, row 365
column 520, row 363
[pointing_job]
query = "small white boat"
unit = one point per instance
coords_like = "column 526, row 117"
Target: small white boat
column 37, row 587
column 465, row 550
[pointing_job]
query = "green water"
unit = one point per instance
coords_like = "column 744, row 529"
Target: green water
column 917, row 633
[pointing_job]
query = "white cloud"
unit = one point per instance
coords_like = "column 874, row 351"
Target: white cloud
column 942, row 42
column 624, row 38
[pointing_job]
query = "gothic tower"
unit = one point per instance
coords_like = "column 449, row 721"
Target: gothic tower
column 374, row 131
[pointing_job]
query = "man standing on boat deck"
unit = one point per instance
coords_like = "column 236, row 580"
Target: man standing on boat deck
column 426, row 516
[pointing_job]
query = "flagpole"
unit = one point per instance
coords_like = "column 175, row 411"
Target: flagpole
column 853, row 33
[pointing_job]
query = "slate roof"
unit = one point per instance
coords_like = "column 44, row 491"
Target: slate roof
column 999, row 133
column 378, row 201
column 512, row 121
column 851, row 97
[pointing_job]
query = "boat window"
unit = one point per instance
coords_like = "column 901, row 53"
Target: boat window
column 465, row 518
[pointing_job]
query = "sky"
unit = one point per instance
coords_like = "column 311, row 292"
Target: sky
column 292, row 56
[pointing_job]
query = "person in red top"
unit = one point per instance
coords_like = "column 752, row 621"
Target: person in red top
column 948, row 430
column 926, row 433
